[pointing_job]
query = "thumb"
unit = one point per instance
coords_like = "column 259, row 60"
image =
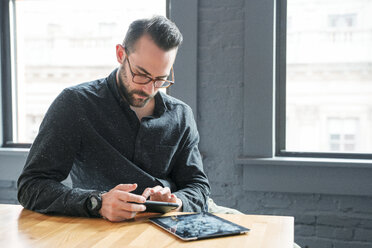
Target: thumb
column 126, row 187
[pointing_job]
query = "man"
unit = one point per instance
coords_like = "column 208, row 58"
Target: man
column 120, row 139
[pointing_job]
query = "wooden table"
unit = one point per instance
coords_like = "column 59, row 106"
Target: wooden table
column 23, row 228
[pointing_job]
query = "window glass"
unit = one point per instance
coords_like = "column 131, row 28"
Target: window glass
column 342, row 133
column 59, row 43
column 329, row 76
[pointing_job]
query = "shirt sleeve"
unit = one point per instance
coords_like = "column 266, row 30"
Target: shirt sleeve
column 50, row 160
column 188, row 174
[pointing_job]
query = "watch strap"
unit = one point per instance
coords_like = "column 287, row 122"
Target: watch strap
column 95, row 196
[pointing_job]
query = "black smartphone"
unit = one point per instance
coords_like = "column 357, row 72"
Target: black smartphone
column 159, row 206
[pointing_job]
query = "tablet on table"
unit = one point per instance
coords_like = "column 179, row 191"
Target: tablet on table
column 198, row 226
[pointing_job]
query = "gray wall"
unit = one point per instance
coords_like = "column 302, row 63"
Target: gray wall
column 322, row 220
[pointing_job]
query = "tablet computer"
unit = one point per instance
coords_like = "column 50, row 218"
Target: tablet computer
column 198, row 226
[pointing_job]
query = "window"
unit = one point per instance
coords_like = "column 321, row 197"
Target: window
column 342, row 20
column 56, row 44
column 267, row 162
column 342, row 134
column 328, row 77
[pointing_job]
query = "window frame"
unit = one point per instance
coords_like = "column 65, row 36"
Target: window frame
column 6, row 79
column 12, row 158
column 280, row 78
column 265, row 166
column 185, row 88
column 6, row 89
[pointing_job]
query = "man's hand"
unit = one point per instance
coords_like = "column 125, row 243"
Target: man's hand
column 115, row 206
column 158, row 193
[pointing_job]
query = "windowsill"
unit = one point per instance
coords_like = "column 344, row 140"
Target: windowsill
column 298, row 161
column 278, row 174
column 12, row 161
column 9, row 151
column 307, row 175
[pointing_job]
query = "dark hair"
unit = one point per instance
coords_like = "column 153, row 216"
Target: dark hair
column 162, row 31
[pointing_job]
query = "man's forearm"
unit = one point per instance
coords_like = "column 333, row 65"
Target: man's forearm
column 49, row 196
column 194, row 198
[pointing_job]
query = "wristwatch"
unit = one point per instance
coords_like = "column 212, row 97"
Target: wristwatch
column 94, row 203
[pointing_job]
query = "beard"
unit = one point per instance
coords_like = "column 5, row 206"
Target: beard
column 130, row 95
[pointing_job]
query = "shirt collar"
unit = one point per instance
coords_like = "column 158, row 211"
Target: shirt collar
column 160, row 106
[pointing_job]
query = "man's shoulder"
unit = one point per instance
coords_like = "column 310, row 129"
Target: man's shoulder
column 173, row 103
column 86, row 92
column 178, row 111
column 87, row 87
column 81, row 94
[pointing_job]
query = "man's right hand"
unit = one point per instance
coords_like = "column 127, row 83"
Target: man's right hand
column 115, row 206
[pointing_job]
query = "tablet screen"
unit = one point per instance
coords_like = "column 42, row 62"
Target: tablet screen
column 198, row 226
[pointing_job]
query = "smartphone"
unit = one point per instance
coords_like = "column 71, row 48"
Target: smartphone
column 159, row 206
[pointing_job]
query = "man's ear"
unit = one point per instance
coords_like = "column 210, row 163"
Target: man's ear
column 120, row 53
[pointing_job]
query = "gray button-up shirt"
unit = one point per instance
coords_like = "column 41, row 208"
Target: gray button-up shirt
column 91, row 133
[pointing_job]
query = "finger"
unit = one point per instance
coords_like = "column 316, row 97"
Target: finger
column 173, row 198
column 133, row 207
column 164, row 194
column 126, row 215
column 150, row 191
column 129, row 197
column 121, row 215
column 156, row 189
column 160, row 198
column 165, row 191
column 126, row 187
column 146, row 193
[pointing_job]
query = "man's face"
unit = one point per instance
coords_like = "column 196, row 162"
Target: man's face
column 146, row 59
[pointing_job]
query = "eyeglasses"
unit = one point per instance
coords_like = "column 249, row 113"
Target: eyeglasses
column 144, row 79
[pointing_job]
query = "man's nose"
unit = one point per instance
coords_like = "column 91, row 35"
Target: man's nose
column 148, row 88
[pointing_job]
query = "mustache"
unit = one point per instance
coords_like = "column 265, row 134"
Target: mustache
column 139, row 92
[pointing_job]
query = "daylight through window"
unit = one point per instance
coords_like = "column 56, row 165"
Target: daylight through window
column 61, row 43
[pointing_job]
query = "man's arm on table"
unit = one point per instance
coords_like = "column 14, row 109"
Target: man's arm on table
column 192, row 183
column 50, row 160
column 188, row 174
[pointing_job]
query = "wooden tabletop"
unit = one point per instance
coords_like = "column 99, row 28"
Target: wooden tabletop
column 23, row 228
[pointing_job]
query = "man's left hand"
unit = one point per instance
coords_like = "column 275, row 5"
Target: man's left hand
column 158, row 193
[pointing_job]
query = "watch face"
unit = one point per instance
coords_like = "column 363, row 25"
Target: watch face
column 93, row 202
